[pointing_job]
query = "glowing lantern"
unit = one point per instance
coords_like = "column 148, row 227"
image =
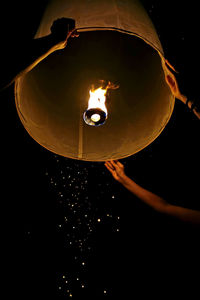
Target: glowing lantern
column 117, row 43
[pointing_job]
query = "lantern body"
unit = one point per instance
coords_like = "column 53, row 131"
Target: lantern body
column 117, row 42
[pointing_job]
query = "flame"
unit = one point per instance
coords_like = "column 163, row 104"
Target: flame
column 97, row 99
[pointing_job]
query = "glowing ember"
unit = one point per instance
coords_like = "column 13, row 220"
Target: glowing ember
column 95, row 117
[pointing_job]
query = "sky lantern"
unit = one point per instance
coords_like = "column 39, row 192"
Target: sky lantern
column 104, row 96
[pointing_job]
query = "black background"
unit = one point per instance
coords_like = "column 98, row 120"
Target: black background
column 153, row 254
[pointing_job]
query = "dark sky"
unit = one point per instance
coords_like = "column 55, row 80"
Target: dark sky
column 69, row 229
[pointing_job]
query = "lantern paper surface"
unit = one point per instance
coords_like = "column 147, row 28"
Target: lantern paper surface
column 118, row 43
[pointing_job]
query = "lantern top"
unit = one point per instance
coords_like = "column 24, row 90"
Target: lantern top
column 127, row 16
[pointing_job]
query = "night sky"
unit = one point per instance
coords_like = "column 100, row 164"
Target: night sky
column 69, row 230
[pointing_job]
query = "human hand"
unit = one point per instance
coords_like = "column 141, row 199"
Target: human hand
column 62, row 29
column 172, row 83
column 116, row 169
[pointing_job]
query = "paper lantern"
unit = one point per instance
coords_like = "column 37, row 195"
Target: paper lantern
column 117, row 44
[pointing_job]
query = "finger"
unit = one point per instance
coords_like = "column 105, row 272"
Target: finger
column 73, row 30
column 167, row 63
column 117, row 165
column 120, row 164
column 75, row 33
column 114, row 163
column 107, row 166
column 110, row 165
column 110, row 169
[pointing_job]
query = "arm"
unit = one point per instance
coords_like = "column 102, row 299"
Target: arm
column 193, row 107
column 37, row 49
column 156, row 202
column 172, row 83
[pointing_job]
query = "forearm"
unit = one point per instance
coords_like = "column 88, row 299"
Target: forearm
column 195, row 110
column 173, row 84
column 197, row 114
column 31, row 55
column 190, row 104
column 146, row 196
column 184, row 214
column 160, row 205
column 40, row 49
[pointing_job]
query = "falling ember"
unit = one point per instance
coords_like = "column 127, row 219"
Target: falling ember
column 96, row 113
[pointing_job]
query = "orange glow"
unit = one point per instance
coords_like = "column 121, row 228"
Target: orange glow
column 97, row 99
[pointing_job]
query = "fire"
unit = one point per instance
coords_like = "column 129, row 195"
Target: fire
column 97, row 99
column 96, row 113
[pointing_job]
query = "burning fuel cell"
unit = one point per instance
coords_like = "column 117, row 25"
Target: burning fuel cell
column 97, row 113
column 95, row 116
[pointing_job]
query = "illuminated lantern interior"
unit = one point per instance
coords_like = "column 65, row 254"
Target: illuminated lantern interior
column 117, row 43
